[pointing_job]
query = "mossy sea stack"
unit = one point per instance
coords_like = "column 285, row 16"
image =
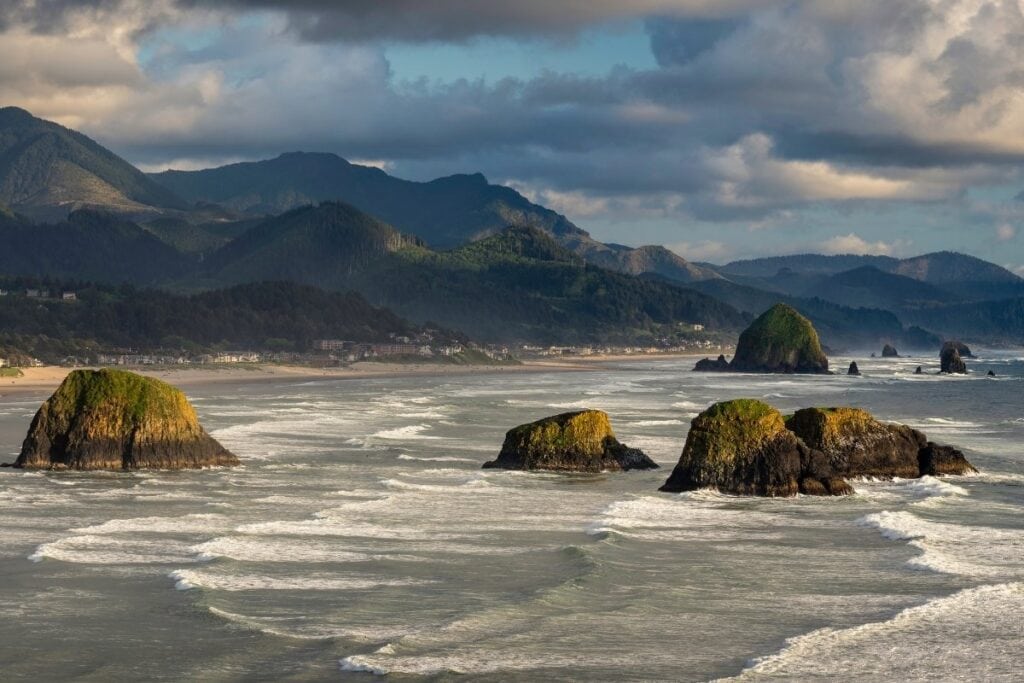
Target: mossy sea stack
column 889, row 351
column 781, row 340
column 117, row 420
column 580, row 441
column 743, row 447
column 858, row 445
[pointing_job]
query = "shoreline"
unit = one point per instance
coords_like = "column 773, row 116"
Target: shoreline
column 48, row 378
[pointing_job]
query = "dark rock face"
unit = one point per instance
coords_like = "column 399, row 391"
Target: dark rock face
column 780, row 340
column 963, row 349
column 116, row 420
column 889, row 351
column 581, row 441
column 854, row 370
column 708, row 365
column 991, row 373
column 935, row 460
column 858, row 445
column 950, row 360
column 743, row 447
column 919, row 371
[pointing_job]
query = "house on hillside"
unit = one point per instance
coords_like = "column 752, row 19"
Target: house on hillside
column 3, row 362
column 69, row 296
column 33, row 293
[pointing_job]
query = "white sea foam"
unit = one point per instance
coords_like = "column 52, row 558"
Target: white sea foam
column 407, row 432
column 186, row 579
column 655, row 423
column 112, row 550
column 974, row 551
column 194, row 523
column 443, row 458
column 299, row 628
column 974, row 634
column 248, row 549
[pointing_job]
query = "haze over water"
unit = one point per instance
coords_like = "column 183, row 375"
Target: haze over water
column 361, row 538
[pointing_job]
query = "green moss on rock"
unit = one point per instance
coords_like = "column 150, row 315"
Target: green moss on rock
column 743, row 447
column 580, row 441
column 113, row 420
column 858, row 445
column 780, row 340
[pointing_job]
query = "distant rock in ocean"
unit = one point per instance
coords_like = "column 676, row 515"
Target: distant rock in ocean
column 963, row 349
column 708, row 365
column 779, row 341
column 991, row 373
column 743, row 447
column 950, row 360
column 889, row 351
column 858, row 445
column 580, row 441
column 854, row 370
column 117, row 420
column 919, row 371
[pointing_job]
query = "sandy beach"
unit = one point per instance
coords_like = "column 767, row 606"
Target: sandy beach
column 49, row 377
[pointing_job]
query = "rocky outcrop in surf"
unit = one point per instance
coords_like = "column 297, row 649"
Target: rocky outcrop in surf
column 743, row 447
column 963, row 349
column 858, row 445
column 854, row 370
column 580, row 441
column 779, row 341
column 117, row 420
column 950, row 360
column 889, row 351
column 707, row 365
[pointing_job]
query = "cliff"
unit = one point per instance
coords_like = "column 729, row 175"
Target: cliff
column 117, row 420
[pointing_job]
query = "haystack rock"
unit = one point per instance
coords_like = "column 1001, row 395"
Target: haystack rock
column 581, row 441
column 743, row 447
column 889, row 351
column 780, row 340
column 950, row 360
column 117, row 420
column 854, row 370
column 963, row 349
column 858, row 445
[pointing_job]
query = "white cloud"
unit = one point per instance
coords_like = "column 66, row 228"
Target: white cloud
column 855, row 244
column 707, row 250
column 1005, row 232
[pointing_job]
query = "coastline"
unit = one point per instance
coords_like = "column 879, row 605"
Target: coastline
column 47, row 378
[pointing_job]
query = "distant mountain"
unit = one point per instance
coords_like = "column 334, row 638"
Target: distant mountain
column 984, row 321
column 47, row 171
column 89, row 245
column 516, row 285
column 446, row 213
column 806, row 264
column 870, row 287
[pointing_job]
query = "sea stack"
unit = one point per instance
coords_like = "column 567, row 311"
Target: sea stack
column 580, row 441
column 919, row 371
column 117, row 420
column 858, row 445
column 743, row 447
column 889, row 351
column 963, row 349
column 779, row 341
column 950, row 359
column 854, row 370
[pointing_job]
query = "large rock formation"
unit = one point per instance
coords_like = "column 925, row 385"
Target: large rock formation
column 854, row 370
column 743, row 447
column 117, row 420
column 963, row 349
column 581, row 441
column 858, row 445
column 780, row 340
column 889, row 351
column 950, row 360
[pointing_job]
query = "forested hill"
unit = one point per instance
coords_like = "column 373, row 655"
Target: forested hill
column 261, row 316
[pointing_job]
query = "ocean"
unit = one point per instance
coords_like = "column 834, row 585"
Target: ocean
column 362, row 540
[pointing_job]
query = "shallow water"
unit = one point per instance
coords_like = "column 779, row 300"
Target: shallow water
column 361, row 539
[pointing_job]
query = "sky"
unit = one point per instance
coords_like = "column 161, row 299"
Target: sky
column 724, row 129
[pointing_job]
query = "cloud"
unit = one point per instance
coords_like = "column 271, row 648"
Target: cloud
column 707, row 250
column 1005, row 232
column 855, row 244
